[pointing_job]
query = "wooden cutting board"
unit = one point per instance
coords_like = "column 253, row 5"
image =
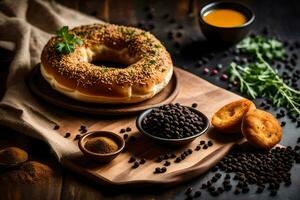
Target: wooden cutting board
column 119, row 172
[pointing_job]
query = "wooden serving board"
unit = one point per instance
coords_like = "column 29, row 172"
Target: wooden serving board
column 119, row 172
column 38, row 85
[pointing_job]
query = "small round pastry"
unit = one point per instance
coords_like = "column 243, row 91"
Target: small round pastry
column 261, row 129
column 229, row 118
column 149, row 65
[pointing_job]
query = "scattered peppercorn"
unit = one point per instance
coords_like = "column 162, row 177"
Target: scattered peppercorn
column 77, row 137
column 142, row 161
column 177, row 160
column 56, row 127
column 167, row 163
column 197, row 194
column 123, row 130
column 157, row 170
column 163, row 169
column 132, row 159
column 82, row 129
column 189, row 190
column 67, row 134
column 135, row 165
column 252, row 166
column 160, row 170
column 194, row 105
column 209, row 143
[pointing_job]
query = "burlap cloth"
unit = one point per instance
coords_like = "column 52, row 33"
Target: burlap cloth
column 25, row 27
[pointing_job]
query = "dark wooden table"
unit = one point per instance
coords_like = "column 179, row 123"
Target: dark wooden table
column 282, row 19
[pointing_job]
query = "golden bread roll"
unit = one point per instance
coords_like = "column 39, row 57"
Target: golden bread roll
column 261, row 129
column 228, row 119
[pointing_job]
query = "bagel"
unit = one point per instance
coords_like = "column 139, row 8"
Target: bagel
column 261, row 129
column 149, row 65
column 228, row 119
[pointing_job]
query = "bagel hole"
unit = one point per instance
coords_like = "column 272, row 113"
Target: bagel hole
column 113, row 64
column 112, row 58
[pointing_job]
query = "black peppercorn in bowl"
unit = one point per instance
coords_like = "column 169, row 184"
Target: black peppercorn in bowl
column 172, row 124
column 226, row 33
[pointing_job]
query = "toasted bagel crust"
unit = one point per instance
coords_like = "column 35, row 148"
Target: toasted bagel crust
column 149, row 68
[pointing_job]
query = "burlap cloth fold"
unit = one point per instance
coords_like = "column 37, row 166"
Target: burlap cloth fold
column 25, row 27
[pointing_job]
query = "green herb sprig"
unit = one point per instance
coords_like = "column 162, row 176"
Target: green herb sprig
column 269, row 49
column 259, row 79
column 68, row 42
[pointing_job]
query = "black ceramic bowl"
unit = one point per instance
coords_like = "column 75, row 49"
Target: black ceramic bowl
column 171, row 142
column 226, row 35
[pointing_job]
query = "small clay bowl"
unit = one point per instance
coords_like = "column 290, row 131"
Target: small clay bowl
column 102, row 158
column 226, row 35
column 167, row 141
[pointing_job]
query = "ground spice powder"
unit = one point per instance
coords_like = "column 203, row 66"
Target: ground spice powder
column 31, row 172
column 101, row 145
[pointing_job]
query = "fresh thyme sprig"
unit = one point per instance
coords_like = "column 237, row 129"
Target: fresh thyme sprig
column 68, row 42
column 259, row 79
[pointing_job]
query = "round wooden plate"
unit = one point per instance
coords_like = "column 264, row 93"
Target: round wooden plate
column 40, row 87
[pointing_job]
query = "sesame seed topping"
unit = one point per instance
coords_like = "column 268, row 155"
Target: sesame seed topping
column 148, row 53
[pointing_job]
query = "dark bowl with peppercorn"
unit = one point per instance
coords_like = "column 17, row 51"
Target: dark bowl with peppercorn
column 172, row 124
column 226, row 35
